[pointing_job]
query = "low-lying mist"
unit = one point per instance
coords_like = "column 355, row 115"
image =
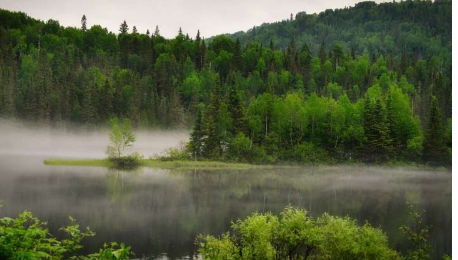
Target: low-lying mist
column 20, row 138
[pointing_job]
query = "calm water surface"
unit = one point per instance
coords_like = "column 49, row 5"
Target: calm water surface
column 159, row 212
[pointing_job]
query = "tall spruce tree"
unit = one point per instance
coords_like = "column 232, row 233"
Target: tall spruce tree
column 212, row 142
column 198, row 51
column 378, row 141
column 237, row 111
column 434, row 149
column 123, row 28
column 195, row 144
column 237, row 58
column 83, row 23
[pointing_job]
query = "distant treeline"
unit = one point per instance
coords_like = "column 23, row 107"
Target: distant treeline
column 371, row 81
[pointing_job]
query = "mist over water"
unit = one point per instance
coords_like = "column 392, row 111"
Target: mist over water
column 20, row 138
column 159, row 212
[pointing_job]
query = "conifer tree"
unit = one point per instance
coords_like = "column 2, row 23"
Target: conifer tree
column 322, row 53
column 156, row 31
column 237, row 111
column 391, row 124
column 134, row 29
column 212, row 143
column 197, row 136
column 123, row 28
column 378, row 142
column 434, row 148
column 83, row 23
column 198, row 52
column 237, row 58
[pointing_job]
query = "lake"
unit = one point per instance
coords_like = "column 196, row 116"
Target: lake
column 159, row 212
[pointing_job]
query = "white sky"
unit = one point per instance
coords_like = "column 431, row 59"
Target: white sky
column 212, row 17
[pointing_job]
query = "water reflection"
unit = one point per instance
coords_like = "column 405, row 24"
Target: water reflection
column 160, row 212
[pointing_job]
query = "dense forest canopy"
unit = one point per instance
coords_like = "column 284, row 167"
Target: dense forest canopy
column 372, row 81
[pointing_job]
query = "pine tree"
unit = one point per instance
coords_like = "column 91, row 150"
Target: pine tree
column 237, row 111
column 391, row 124
column 83, row 23
column 176, row 111
column 378, row 142
column 123, row 28
column 203, row 53
column 197, row 136
column 237, row 58
column 106, row 101
column 434, row 149
column 198, row 52
column 134, row 29
column 212, row 143
column 147, row 32
column 156, row 31
column 322, row 53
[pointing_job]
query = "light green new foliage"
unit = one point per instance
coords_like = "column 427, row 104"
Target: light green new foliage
column 342, row 238
column 27, row 238
column 121, row 137
column 256, row 233
column 295, row 235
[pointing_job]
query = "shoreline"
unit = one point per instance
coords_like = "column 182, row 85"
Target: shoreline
column 215, row 165
column 154, row 163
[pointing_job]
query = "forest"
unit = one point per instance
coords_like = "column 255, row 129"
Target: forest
column 368, row 83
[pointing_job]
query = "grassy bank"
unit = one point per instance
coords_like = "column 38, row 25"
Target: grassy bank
column 214, row 165
column 152, row 163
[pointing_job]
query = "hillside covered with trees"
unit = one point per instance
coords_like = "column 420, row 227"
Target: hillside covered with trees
column 371, row 83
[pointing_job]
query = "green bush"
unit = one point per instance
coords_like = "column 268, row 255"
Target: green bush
column 27, row 238
column 295, row 235
column 309, row 153
column 175, row 154
column 126, row 162
column 240, row 148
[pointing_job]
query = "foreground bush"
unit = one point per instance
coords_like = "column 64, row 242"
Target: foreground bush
column 27, row 238
column 295, row 235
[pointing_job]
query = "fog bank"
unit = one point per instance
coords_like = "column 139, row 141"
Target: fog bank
column 19, row 138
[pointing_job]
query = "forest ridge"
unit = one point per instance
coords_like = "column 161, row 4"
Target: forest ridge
column 370, row 82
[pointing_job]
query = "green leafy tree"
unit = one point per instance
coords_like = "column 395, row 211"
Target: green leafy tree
column 121, row 137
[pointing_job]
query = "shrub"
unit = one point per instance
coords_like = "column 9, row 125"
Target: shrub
column 240, row 148
column 27, row 238
column 129, row 161
column 173, row 154
column 309, row 153
column 295, row 235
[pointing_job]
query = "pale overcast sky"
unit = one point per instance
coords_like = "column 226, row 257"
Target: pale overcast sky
column 212, row 17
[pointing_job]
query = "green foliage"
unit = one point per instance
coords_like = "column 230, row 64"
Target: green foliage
column 176, row 154
column 296, row 235
column 417, row 235
column 121, row 137
column 26, row 237
column 309, row 153
column 127, row 161
column 435, row 151
column 307, row 86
